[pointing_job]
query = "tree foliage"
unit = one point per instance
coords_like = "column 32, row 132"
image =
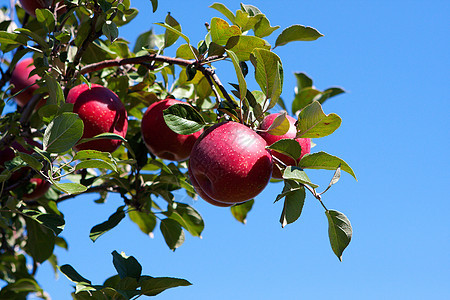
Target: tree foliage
column 78, row 41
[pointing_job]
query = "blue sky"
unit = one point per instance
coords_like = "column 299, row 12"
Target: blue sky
column 392, row 58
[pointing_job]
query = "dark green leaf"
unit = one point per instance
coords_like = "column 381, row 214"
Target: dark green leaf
column 112, row 222
column 339, row 231
column 55, row 92
column 293, row 203
column 63, row 133
column 324, row 161
column 297, row 33
column 174, row 30
column 53, row 222
column 73, row 275
column 110, row 30
column 240, row 211
column 31, row 161
column 126, row 266
column 34, row 36
column 183, row 119
column 329, row 93
column 303, row 81
column 297, row 174
column 154, row 286
column 22, row 285
column 40, row 241
column 172, row 232
column 154, row 5
column 221, row 31
column 187, row 217
column 106, row 136
column 304, row 97
column 313, row 123
column 289, row 147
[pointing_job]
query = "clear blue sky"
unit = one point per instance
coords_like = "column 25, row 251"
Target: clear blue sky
column 393, row 59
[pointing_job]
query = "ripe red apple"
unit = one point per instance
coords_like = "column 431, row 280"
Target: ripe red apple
column 40, row 187
column 31, row 5
column 160, row 139
column 101, row 111
column 202, row 194
column 305, row 143
column 21, row 79
column 230, row 163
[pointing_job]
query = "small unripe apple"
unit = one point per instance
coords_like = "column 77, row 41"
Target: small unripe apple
column 101, row 111
column 160, row 139
column 230, row 163
column 21, row 79
column 30, row 6
column 305, row 143
column 40, row 187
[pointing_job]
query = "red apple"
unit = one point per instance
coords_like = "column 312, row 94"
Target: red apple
column 40, row 187
column 305, row 143
column 202, row 194
column 31, row 5
column 230, row 163
column 101, row 111
column 160, row 139
column 21, row 79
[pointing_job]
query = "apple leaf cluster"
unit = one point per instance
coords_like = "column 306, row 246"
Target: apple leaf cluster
column 97, row 117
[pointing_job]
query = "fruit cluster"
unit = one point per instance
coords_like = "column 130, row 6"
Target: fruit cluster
column 229, row 162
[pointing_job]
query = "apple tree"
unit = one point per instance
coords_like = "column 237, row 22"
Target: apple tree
column 96, row 116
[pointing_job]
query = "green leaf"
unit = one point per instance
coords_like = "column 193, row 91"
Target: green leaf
column 63, row 133
column 246, row 21
column 109, row 224
column 303, row 81
column 268, row 73
column 53, row 222
column 187, row 217
column 110, row 30
column 172, row 232
column 171, row 37
column 240, row 76
column 126, row 266
column 34, row 36
column 183, row 119
column 145, row 221
column 240, row 211
column 297, row 33
column 93, row 154
column 304, row 97
column 329, row 93
column 7, row 38
column 56, row 95
column 40, row 241
column 31, row 161
column 154, row 5
column 297, row 174
column 23, row 285
column 106, row 136
column 280, row 125
column 185, row 52
column 289, row 147
column 243, row 45
column 70, row 188
column 73, row 275
column 98, row 164
column 339, row 231
column 154, row 286
column 221, row 31
column 324, row 161
column 293, row 203
column 313, row 123
column 263, row 28
column 224, row 10
column 46, row 18
column 174, row 30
